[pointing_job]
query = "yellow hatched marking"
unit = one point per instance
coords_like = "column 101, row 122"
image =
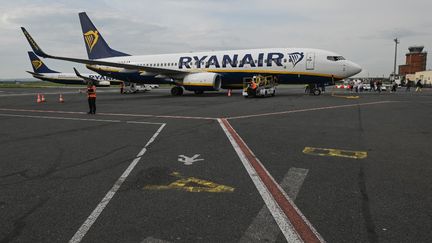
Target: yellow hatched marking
column 187, row 184
column 335, row 153
column 347, row 97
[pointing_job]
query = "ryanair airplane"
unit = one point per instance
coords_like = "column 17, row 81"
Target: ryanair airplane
column 208, row 71
column 41, row 71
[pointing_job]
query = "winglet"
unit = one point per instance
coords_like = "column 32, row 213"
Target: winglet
column 33, row 44
column 86, row 80
column 77, row 73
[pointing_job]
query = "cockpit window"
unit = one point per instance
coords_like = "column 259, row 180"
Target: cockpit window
column 335, row 58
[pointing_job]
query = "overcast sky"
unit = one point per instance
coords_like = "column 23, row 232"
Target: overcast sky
column 362, row 31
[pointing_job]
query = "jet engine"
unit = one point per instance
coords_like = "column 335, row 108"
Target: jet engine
column 103, row 83
column 202, row 82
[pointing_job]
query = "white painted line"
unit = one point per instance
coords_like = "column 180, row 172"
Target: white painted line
column 293, row 223
column 150, row 123
column 293, row 181
column 60, row 118
column 31, row 94
column 153, row 240
column 43, row 111
column 310, row 109
column 111, row 114
column 54, row 93
column 85, row 227
column 278, row 215
column 263, row 227
column 142, row 152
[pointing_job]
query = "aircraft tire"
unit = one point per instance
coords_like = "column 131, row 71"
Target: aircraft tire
column 316, row 92
column 177, row 91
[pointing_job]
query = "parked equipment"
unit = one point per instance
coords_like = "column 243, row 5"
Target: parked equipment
column 259, row 86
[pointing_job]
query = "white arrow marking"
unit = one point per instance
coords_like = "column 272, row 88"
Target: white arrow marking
column 189, row 160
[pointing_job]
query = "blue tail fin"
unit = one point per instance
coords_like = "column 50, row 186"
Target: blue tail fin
column 94, row 42
column 38, row 65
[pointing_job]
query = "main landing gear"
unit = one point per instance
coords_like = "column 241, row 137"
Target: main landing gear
column 313, row 89
column 316, row 91
column 177, row 91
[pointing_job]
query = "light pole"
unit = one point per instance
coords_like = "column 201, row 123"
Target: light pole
column 394, row 67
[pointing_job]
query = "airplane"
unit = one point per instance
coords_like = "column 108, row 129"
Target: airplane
column 209, row 71
column 41, row 71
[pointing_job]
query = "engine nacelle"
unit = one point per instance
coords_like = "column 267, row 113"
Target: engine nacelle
column 202, row 82
column 103, row 83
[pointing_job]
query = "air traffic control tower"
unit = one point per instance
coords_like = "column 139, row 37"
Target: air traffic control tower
column 415, row 61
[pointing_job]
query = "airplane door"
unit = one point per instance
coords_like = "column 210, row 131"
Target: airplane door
column 310, row 61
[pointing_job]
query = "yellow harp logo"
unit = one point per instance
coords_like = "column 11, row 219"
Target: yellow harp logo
column 36, row 64
column 91, row 38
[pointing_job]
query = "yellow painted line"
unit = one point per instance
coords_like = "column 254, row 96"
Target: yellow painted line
column 335, row 152
column 191, row 184
column 347, row 97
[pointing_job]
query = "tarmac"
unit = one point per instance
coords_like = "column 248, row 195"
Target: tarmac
column 151, row 167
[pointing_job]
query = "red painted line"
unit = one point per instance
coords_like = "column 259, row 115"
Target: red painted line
column 299, row 222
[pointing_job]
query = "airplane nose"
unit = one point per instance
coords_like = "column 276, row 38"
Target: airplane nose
column 355, row 68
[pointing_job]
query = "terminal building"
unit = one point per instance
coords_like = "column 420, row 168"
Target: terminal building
column 415, row 61
column 415, row 67
column 425, row 77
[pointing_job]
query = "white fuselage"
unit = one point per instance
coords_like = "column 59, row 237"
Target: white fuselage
column 292, row 64
column 71, row 78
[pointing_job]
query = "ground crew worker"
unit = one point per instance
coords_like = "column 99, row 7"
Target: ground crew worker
column 91, row 95
column 122, row 87
column 253, row 85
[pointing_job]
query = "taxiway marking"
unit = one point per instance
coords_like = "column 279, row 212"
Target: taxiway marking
column 85, row 227
column 153, row 240
column 189, row 184
column 186, row 160
column 335, row 152
column 52, row 93
column 293, row 224
column 78, row 119
column 263, row 227
column 309, row 109
column 199, row 117
column 346, row 97
column 110, row 114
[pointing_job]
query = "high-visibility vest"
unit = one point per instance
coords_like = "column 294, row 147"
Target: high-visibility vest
column 91, row 92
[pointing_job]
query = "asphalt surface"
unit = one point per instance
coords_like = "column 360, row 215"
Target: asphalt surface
column 58, row 164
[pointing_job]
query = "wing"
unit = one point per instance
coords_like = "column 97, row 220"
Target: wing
column 161, row 71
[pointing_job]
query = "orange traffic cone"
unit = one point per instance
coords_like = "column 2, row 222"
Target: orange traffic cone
column 38, row 100
column 229, row 92
column 42, row 98
column 61, row 100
